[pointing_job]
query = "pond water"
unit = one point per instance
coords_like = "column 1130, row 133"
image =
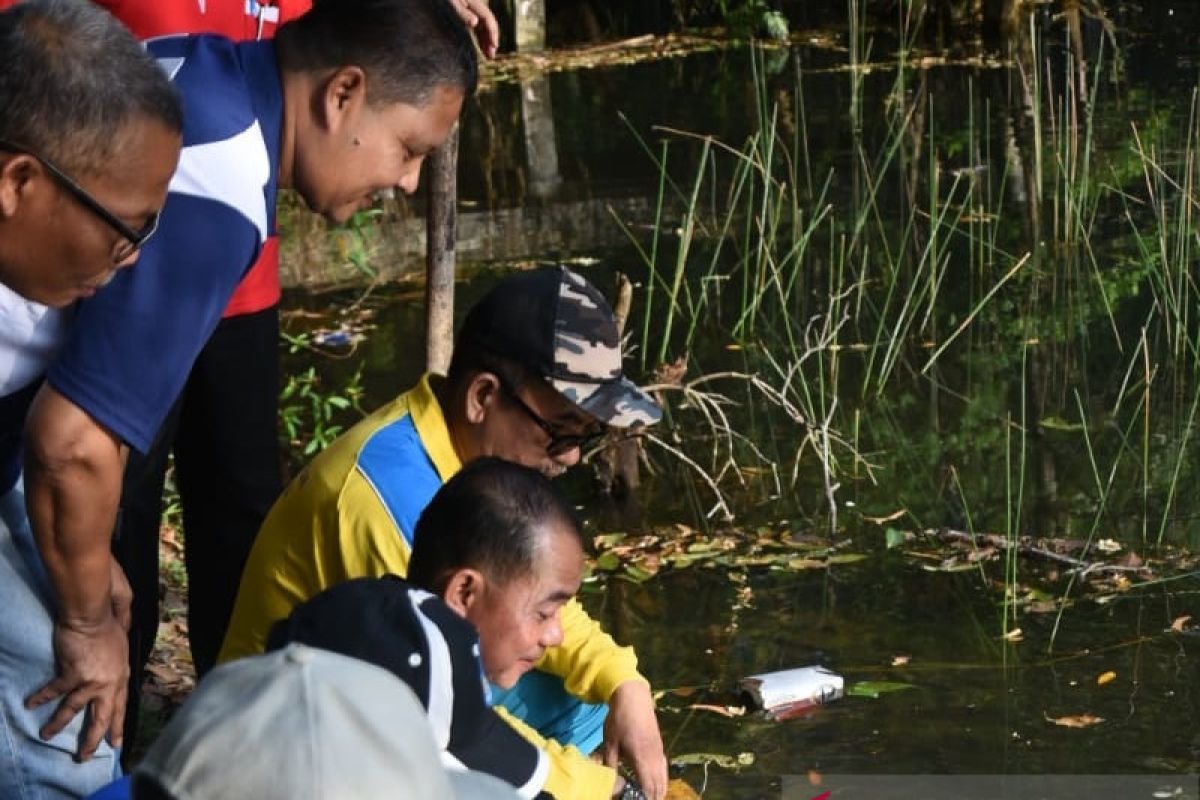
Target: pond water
column 968, row 289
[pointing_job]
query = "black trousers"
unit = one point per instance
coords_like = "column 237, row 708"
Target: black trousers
column 224, row 432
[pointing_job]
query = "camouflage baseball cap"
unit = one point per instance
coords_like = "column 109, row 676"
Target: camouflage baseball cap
column 559, row 326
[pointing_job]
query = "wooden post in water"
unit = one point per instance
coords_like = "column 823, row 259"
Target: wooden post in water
column 531, row 25
column 441, row 231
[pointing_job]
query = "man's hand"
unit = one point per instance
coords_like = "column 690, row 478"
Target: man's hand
column 631, row 731
column 482, row 21
column 93, row 673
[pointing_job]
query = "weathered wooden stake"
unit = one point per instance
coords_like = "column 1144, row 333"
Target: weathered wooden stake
column 541, row 149
column 441, row 231
column 531, row 25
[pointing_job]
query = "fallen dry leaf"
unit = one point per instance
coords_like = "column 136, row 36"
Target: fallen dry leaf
column 1180, row 622
column 1106, row 677
column 1131, row 559
column 1075, row 721
column 895, row 515
column 724, row 711
column 1015, row 635
column 900, row 660
column 679, row 789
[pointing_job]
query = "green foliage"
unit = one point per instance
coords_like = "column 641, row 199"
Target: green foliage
column 310, row 415
column 747, row 18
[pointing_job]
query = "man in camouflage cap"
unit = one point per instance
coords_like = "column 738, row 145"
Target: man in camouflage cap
column 535, row 378
column 559, row 328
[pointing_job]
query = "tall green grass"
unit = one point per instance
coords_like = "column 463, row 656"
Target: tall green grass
column 1022, row 265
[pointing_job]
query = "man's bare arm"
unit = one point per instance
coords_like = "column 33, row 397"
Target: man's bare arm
column 73, row 469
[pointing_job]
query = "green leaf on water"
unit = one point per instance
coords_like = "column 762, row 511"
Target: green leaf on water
column 895, row 537
column 950, row 565
column 637, row 574
column 874, row 689
column 605, row 540
column 1058, row 424
column 734, row 762
column 607, row 561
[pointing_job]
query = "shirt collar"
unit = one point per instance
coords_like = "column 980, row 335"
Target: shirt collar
column 431, row 426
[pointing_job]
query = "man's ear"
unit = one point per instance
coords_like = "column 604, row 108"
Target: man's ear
column 464, row 590
column 342, row 95
column 482, row 394
column 16, row 175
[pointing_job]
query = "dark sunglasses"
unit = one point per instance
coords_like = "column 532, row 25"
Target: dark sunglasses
column 559, row 442
column 133, row 239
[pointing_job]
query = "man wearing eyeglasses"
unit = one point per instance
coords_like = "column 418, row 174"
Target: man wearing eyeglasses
column 535, row 378
column 89, row 139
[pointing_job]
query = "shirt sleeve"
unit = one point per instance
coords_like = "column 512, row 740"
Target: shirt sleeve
column 133, row 344
column 590, row 663
column 572, row 776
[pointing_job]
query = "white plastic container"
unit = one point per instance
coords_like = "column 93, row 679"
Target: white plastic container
column 792, row 692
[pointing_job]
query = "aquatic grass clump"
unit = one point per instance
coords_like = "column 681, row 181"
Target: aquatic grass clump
column 987, row 291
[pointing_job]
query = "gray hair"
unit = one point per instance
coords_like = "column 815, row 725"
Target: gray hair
column 72, row 77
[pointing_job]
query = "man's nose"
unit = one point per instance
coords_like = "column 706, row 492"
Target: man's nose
column 552, row 634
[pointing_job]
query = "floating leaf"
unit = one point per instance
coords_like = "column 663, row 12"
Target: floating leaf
column 895, row 537
column 719, row 759
column 685, row 559
column 1075, row 721
column 874, row 689
column 1015, row 635
column 637, row 574
column 607, row 561
column 900, row 660
column 1059, row 424
column 805, row 563
column 950, row 565
column 845, row 558
column 1106, row 677
column 724, row 711
column 679, row 789
column 604, row 541
column 1180, row 622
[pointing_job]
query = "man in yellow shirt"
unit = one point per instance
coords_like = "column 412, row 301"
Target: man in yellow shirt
column 535, row 376
column 499, row 551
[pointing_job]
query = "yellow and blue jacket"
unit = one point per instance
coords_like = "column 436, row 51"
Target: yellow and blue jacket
column 351, row 513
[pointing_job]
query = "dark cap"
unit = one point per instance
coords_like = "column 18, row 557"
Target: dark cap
column 390, row 623
column 559, row 326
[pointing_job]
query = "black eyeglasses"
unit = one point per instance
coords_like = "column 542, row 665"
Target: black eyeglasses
column 559, row 442
column 133, row 239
